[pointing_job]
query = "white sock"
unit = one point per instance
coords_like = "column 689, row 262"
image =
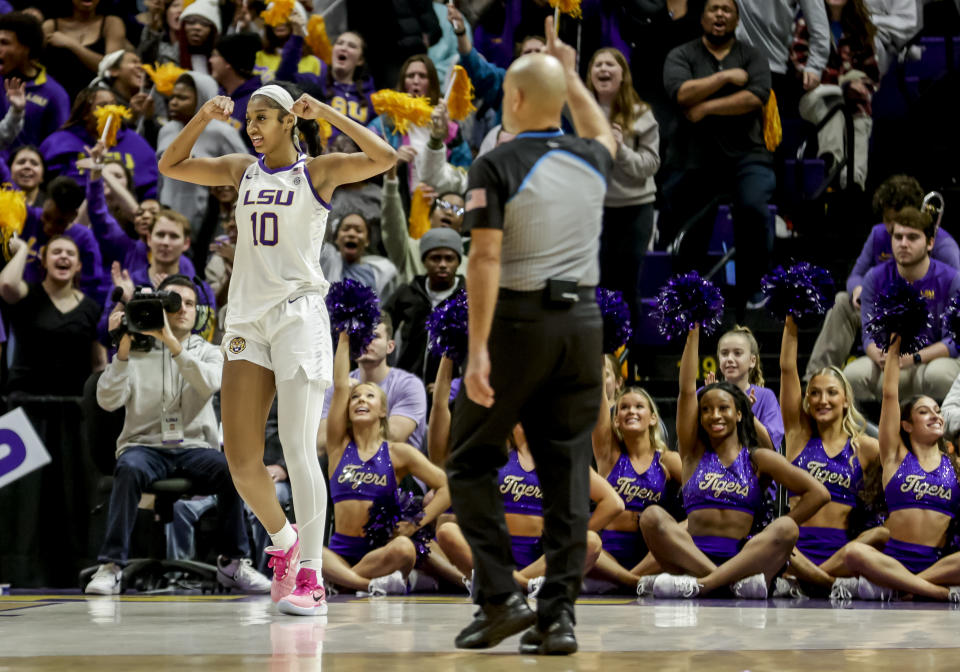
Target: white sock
column 286, row 537
column 314, row 564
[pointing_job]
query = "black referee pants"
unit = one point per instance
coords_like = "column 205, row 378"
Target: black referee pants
column 546, row 374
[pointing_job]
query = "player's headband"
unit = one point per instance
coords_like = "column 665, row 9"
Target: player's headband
column 277, row 94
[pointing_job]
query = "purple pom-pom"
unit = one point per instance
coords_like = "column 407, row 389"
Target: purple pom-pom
column 687, row 300
column 616, row 319
column 447, row 328
column 354, row 308
column 382, row 519
column 951, row 318
column 387, row 512
column 803, row 290
column 900, row 309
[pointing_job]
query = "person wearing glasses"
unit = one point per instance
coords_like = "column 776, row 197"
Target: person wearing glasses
column 446, row 211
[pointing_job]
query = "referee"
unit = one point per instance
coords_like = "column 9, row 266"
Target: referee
column 534, row 208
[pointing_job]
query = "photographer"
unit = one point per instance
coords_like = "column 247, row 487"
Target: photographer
column 170, row 430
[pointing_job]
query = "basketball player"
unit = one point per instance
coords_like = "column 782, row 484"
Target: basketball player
column 277, row 335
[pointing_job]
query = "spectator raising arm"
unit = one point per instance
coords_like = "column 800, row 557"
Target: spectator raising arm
column 12, row 286
column 588, row 118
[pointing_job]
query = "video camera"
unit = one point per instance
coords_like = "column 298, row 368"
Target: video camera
column 144, row 312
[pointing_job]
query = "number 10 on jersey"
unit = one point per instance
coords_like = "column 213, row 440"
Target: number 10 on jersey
column 265, row 228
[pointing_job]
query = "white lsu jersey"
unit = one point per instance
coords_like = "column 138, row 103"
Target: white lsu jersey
column 281, row 222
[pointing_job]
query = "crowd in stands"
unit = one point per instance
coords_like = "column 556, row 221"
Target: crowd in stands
column 692, row 89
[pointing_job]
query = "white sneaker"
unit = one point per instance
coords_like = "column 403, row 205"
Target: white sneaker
column 787, row 587
column 868, row 590
column 844, row 588
column 106, row 581
column 420, row 582
column 534, row 585
column 391, row 584
column 751, row 587
column 645, row 585
column 240, row 574
column 954, row 594
column 673, row 586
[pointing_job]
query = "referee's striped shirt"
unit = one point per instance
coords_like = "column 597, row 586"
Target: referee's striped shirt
column 545, row 191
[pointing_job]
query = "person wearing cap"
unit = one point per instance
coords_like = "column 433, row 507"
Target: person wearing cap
column 277, row 339
column 200, row 28
column 121, row 71
column 231, row 64
column 534, row 209
column 446, row 210
column 441, row 254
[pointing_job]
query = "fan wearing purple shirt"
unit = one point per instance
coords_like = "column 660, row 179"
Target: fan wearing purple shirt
column 842, row 322
column 58, row 217
column 738, row 355
column 932, row 370
column 21, row 41
column 344, row 85
column 406, row 395
column 63, row 149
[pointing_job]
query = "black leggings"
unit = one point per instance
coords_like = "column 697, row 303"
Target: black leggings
column 623, row 244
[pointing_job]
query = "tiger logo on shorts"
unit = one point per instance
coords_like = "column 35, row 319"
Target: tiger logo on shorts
column 237, row 345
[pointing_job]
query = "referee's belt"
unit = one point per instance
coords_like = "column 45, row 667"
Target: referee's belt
column 582, row 292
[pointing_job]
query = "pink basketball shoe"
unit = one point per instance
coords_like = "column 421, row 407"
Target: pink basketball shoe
column 308, row 598
column 285, row 565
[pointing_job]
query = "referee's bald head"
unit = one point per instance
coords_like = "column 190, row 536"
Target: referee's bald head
column 534, row 92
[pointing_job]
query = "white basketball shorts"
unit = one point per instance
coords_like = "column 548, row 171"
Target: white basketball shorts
column 294, row 334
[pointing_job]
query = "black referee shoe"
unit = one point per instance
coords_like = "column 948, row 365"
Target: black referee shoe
column 557, row 640
column 495, row 622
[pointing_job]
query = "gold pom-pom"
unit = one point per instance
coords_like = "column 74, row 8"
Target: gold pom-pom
column 402, row 108
column 419, row 213
column 277, row 13
column 569, row 7
column 13, row 214
column 317, row 39
column 186, row 3
column 460, row 99
column 772, row 130
column 164, row 76
column 116, row 113
column 326, row 130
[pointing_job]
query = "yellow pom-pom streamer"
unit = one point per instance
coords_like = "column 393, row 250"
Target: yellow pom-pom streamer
column 187, row 3
column 109, row 120
column 317, row 39
column 402, row 108
column 772, row 131
column 326, row 130
column 277, row 13
column 460, row 95
column 569, row 7
column 419, row 213
column 164, row 76
column 13, row 213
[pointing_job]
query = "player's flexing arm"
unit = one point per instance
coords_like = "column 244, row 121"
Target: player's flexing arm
column 211, row 172
column 329, row 171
